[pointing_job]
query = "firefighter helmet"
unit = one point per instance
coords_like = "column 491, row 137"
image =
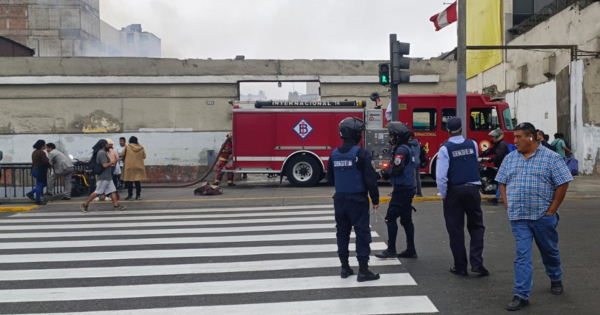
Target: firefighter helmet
column 399, row 131
column 230, row 135
column 497, row 135
column 352, row 128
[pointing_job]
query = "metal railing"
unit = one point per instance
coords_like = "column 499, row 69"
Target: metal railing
column 546, row 13
column 17, row 180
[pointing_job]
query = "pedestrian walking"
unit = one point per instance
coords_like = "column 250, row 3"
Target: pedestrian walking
column 39, row 171
column 534, row 181
column 457, row 177
column 560, row 146
column 114, row 159
column 350, row 169
column 499, row 149
column 134, row 169
column 401, row 175
column 104, row 182
column 415, row 147
column 63, row 169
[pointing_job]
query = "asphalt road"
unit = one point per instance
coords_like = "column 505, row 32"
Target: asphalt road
column 265, row 260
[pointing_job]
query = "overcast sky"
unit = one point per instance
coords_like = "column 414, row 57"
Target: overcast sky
column 285, row 29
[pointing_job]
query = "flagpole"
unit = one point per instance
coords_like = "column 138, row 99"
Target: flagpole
column 461, row 78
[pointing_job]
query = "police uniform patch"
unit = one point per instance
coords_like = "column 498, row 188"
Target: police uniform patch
column 398, row 159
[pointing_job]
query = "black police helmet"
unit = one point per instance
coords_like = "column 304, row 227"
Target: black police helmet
column 400, row 131
column 352, row 128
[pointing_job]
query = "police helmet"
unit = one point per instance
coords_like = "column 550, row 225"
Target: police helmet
column 497, row 135
column 351, row 128
column 399, row 131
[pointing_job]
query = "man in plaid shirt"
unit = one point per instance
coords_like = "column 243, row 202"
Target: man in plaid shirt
column 533, row 181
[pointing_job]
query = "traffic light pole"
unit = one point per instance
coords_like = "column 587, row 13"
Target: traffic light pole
column 461, row 79
column 394, row 87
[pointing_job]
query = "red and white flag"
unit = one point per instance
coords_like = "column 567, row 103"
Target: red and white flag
column 445, row 17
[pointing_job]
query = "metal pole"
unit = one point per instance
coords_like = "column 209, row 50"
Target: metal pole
column 461, row 78
column 394, row 87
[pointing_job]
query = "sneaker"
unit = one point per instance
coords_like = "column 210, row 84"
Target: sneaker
column 119, row 207
column 231, row 184
column 138, row 198
column 108, row 199
column 128, row 198
column 84, row 207
column 30, row 196
column 217, row 183
column 387, row 254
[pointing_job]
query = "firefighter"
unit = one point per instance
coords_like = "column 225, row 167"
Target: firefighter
column 401, row 174
column 223, row 160
column 352, row 171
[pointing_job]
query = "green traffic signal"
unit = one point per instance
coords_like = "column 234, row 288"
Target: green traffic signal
column 384, row 79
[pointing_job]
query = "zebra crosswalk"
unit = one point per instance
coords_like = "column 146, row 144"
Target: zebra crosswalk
column 275, row 260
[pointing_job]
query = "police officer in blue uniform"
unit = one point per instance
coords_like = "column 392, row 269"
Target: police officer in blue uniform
column 457, row 177
column 351, row 169
column 401, row 174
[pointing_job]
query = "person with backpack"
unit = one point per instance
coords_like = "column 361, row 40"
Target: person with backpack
column 101, row 167
column 416, row 147
column 541, row 138
column 560, row 145
column 500, row 149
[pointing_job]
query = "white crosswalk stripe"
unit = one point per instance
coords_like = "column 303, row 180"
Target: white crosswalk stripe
column 191, row 261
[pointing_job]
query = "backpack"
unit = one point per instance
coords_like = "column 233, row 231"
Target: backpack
column 96, row 168
column 206, row 189
column 423, row 157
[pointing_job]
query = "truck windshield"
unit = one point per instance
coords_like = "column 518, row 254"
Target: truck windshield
column 508, row 124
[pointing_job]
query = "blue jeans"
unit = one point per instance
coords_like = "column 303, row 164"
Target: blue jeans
column 39, row 186
column 544, row 232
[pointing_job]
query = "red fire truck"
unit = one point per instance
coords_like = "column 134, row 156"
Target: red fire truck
column 295, row 139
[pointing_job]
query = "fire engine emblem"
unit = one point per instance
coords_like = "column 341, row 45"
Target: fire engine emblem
column 303, row 129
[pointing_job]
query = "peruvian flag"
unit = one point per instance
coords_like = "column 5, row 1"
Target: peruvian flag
column 445, row 18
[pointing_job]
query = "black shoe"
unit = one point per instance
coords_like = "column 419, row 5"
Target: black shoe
column 138, row 198
column 30, row 196
column 40, row 203
column 516, row 304
column 481, row 271
column 66, row 198
column 493, row 201
column 128, row 198
column 387, row 254
column 231, row 184
column 367, row 276
column 462, row 273
column 47, row 195
column 556, row 288
column 346, row 271
column 408, row 254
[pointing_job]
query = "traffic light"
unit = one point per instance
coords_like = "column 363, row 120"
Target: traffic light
column 384, row 74
column 399, row 63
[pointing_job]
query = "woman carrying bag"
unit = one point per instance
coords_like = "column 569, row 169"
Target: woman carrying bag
column 134, row 169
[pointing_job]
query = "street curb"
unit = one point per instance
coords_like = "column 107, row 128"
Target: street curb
column 18, row 209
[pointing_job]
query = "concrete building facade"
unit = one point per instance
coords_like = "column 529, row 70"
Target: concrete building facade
column 72, row 28
column 542, row 85
column 179, row 109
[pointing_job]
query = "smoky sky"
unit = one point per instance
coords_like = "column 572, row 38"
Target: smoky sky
column 285, row 29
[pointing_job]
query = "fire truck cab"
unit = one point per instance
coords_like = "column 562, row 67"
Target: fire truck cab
column 295, row 139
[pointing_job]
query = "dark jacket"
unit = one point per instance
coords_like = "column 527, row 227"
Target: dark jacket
column 364, row 164
column 500, row 149
column 40, row 160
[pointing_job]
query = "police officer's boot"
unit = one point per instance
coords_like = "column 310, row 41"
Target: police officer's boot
column 390, row 252
column 410, row 251
column 346, row 270
column 364, row 274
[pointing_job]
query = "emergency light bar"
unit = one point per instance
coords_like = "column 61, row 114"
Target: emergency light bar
column 262, row 104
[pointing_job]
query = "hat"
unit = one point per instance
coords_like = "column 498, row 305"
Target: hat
column 454, row 124
column 109, row 141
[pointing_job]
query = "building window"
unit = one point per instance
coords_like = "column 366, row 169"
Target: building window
column 143, row 38
column 424, row 120
column 130, row 38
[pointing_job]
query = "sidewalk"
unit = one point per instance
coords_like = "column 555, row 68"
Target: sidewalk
column 260, row 191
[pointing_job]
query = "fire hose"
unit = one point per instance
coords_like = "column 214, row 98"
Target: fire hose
column 202, row 178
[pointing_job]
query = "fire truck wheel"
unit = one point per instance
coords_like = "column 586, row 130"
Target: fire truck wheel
column 303, row 171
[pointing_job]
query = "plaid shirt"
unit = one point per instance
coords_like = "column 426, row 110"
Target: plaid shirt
column 531, row 183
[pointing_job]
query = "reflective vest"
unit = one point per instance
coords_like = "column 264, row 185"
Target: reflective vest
column 463, row 167
column 407, row 178
column 348, row 179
